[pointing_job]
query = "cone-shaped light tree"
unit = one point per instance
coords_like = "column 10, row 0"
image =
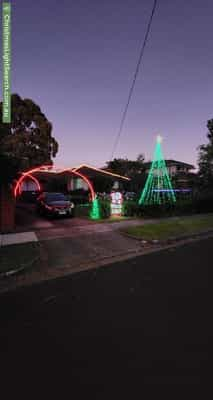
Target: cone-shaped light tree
column 95, row 210
column 158, row 188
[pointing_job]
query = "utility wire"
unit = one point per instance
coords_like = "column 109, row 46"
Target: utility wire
column 134, row 80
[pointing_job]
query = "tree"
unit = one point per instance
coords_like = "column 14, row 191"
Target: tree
column 8, row 169
column 102, row 184
column 205, row 160
column 125, row 167
column 28, row 137
column 133, row 169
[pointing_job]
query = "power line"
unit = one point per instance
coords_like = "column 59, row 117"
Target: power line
column 134, row 80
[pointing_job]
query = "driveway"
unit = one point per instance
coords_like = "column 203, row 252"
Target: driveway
column 72, row 245
column 28, row 220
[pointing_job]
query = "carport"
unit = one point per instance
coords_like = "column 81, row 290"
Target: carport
column 46, row 173
column 39, row 177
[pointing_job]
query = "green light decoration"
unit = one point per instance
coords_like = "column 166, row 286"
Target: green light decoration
column 95, row 211
column 158, row 188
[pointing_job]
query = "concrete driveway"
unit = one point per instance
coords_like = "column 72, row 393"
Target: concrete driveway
column 28, row 220
column 71, row 245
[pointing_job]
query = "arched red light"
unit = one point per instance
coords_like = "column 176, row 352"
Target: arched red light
column 26, row 174
column 33, row 179
column 88, row 183
column 85, row 179
column 43, row 168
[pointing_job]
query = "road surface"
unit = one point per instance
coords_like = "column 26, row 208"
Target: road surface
column 108, row 332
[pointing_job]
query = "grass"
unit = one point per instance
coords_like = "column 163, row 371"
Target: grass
column 18, row 255
column 171, row 228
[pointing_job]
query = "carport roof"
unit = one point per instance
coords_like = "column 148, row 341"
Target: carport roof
column 87, row 170
column 92, row 171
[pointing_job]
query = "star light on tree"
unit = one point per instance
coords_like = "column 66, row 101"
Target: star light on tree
column 159, row 139
column 158, row 188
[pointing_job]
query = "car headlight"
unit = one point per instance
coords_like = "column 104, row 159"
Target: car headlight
column 72, row 205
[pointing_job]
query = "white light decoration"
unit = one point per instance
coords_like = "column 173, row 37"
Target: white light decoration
column 159, row 139
column 116, row 203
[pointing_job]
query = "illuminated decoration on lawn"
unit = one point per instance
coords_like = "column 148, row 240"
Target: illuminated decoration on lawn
column 95, row 211
column 116, row 203
column 50, row 169
column 174, row 190
column 158, row 188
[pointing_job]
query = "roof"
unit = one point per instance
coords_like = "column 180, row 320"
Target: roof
column 87, row 170
column 90, row 170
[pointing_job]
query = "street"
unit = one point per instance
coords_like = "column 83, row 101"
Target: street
column 109, row 331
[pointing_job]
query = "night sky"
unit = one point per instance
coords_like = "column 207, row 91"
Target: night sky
column 77, row 58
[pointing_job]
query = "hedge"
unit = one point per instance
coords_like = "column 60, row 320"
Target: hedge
column 181, row 207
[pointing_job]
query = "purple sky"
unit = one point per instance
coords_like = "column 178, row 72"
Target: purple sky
column 76, row 59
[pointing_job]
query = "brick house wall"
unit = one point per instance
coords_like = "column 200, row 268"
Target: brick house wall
column 7, row 210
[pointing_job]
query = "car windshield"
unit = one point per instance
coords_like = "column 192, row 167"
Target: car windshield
column 56, row 197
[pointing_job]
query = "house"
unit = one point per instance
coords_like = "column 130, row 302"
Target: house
column 62, row 179
column 174, row 167
column 180, row 172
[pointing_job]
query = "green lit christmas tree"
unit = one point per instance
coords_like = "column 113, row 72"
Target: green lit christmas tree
column 158, row 188
column 95, row 211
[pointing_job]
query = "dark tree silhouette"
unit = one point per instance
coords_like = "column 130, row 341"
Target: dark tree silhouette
column 28, row 137
column 205, row 160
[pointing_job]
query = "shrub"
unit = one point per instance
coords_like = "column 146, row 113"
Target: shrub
column 105, row 208
column 157, row 210
column 82, row 210
column 130, row 208
column 203, row 203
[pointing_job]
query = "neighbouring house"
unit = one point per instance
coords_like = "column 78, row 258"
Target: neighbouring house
column 180, row 173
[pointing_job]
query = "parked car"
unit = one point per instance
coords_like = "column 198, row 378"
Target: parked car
column 54, row 204
column 129, row 195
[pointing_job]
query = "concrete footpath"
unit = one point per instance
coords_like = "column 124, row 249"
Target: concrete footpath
column 17, row 238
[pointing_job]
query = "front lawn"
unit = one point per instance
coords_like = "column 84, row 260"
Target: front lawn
column 172, row 228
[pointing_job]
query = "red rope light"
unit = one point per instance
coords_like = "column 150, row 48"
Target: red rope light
column 33, row 179
column 42, row 168
column 85, row 179
column 26, row 174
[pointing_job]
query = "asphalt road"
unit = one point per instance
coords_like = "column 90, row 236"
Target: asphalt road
column 106, row 333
